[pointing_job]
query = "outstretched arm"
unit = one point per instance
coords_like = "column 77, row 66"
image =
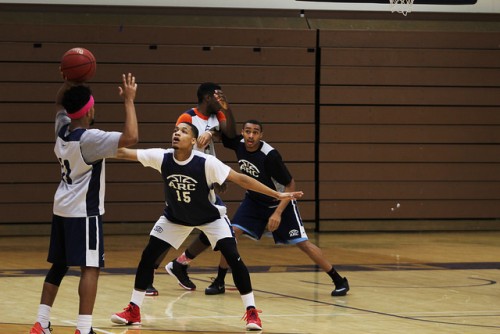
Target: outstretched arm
column 249, row 183
column 126, row 154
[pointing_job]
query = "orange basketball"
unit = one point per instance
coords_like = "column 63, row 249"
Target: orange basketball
column 78, row 64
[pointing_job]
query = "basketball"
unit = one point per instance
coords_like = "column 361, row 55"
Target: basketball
column 78, row 64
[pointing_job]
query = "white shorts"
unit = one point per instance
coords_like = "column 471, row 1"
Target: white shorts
column 175, row 234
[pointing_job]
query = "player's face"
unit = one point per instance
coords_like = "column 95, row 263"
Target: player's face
column 213, row 105
column 183, row 137
column 252, row 135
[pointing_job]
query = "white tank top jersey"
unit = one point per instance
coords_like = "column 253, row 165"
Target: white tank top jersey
column 203, row 123
column 81, row 154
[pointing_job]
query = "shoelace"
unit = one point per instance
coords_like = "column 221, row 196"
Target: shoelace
column 251, row 314
column 129, row 308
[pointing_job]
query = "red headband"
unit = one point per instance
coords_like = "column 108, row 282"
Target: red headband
column 85, row 109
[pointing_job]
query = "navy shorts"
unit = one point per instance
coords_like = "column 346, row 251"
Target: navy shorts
column 252, row 218
column 77, row 242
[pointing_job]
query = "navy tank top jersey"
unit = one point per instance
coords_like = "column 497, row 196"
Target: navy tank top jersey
column 190, row 200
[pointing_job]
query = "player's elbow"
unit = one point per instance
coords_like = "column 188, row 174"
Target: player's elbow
column 128, row 140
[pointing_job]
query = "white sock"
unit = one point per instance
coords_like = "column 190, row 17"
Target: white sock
column 43, row 316
column 248, row 300
column 84, row 323
column 138, row 297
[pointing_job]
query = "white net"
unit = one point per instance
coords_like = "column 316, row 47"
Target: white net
column 401, row 6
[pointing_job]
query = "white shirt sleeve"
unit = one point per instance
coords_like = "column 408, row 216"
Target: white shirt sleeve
column 216, row 170
column 152, row 157
column 97, row 144
column 61, row 120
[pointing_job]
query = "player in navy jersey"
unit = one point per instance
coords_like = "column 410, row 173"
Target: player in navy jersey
column 262, row 162
column 76, row 238
column 189, row 176
column 212, row 116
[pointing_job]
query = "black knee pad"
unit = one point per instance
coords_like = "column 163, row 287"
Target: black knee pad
column 241, row 276
column 56, row 274
column 228, row 248
column 203, row 238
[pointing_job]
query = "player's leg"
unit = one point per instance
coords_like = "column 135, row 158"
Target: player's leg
column 218, row 285
column 241, row 278
column 54, row 277
column 85, row 248
column 164, row 235
column 250, row 219
column 143, row 278
column 315, row 253
column 220, row 234
column 151, row 290
column 87, row 290
column 49, row 293
column 291, row 231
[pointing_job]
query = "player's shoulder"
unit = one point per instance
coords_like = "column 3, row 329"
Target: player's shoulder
column 202, row 155
column 186, row 116
column 266, row 148
column 155, row 151
column 211, row 159
column 152, row 156
column 190, row 112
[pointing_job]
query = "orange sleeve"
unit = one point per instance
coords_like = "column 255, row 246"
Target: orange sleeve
column 221, row 116
column 184, row 118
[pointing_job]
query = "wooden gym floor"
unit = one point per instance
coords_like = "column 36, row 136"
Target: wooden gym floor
column 415, row 283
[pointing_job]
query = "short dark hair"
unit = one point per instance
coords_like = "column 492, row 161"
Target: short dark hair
column 206, row 88
column 75, row 98
column 194, row 129
column 253, row 121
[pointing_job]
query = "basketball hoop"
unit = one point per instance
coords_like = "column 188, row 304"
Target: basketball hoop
column 401, row 6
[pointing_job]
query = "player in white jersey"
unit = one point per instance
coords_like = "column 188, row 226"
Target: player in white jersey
column 76, row 237
column 212, row 116
column 190, row 201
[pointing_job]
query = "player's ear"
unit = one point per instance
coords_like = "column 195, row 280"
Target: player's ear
column 90, row 114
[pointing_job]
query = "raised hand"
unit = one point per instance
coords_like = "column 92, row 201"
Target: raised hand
column 129, row 88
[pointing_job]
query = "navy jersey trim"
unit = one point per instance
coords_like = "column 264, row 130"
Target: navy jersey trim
column 94, row 188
